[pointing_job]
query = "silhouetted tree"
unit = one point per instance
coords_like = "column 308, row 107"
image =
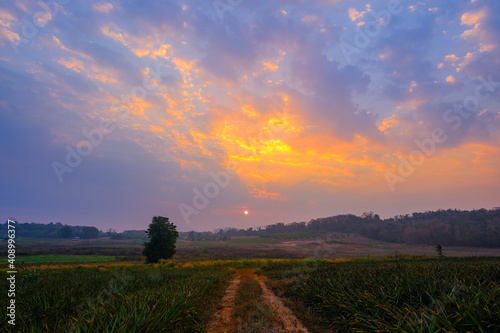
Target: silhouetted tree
column 162, row 237
column 89, row 232
column 439, row 250
column 65, row 232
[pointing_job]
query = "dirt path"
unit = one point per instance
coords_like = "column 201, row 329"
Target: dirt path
column 291, row 323
column 224, row 321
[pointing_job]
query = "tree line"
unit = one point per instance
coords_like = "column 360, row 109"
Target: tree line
column 52, row 230
column 475, row 228
column 452, row 227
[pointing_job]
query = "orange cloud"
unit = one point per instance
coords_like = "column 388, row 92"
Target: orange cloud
column 165, row 51
column 451, row 57
column 460, row 168
column 104, row 79
column 388, row 123
column 467, row 59
column 138, row 106
column 103, row 7
column 263, row 194
column 156, row 129
column 477, row 33
column 72, row 63
column 6, row 19
column 140, row 53
column 6, row 34
column 249, row 110
column 111, row 32
column 183, row 65
column 278, row 153
column 472, row 17
column 80, row 67
column 270, row 66
column 451, row 79
column 354, row 14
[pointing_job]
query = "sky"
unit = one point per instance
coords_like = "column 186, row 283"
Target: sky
column 114, row 112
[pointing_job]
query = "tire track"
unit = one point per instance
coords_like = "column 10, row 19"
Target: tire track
column 222, row 322
column 289, row 320
column 224, row 318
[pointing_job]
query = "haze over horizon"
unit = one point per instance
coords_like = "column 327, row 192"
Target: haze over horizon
column 112, row 112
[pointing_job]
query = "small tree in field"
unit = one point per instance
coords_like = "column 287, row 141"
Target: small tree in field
column 439, row 250
column 162, row 237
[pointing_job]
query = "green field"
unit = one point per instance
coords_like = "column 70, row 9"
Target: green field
column 292, row 246
column 448, row 295
column 393, row 294
column 116, row 299
column 59, row 259
column 349, row 284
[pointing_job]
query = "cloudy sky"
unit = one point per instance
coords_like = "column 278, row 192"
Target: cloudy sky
column 113, row 112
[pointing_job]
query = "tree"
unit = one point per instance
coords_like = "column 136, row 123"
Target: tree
column 439, row 250
column 89, row 232
column 162, row 237
column 65, row 232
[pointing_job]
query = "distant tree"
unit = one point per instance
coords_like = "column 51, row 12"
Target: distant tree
column 439, row 250
column 89, row 232
column 65, row 232
column 162, row 237
column 116, row 235
column 368, row 215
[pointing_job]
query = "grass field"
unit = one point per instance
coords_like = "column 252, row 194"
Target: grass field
column 116, row 299
column 328, row 283
column 60, row 258
column 398, row 293
column 443, row 295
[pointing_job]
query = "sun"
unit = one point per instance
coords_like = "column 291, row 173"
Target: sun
column 245, row 212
